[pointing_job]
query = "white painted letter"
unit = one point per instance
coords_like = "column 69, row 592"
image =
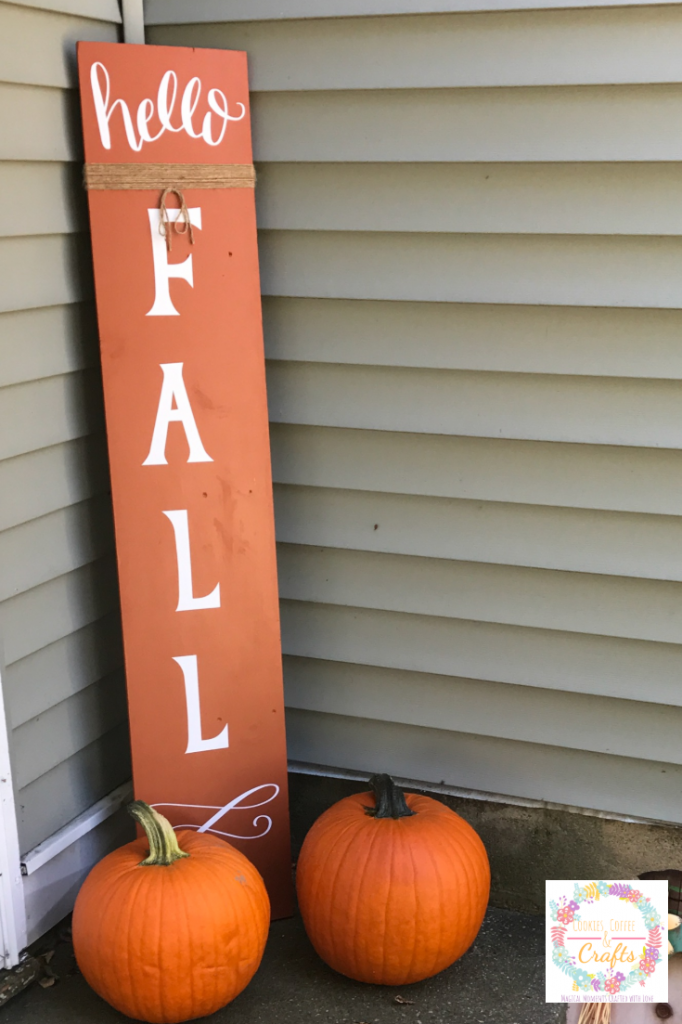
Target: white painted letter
column 173, row 389
column 195, row 742
column 104, row 111
column 187, row 602
column 163, row 270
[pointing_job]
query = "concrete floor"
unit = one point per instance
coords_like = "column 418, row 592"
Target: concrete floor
column 499, row 981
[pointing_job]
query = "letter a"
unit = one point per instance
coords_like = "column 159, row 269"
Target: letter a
column 195, row 741
column 187, row 602
column 173, row 389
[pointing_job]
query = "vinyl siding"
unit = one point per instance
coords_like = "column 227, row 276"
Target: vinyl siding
column 59, row 629
column 471, row 260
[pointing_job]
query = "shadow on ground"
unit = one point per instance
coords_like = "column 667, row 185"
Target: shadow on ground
column 499, row 981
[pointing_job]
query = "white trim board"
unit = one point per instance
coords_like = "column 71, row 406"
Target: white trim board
column 76, row 829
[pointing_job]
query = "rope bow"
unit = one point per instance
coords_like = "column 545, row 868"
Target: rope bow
column 166, row 225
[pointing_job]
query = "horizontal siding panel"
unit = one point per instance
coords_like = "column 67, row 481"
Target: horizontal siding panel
column 53, row 545
column 510, row 595
column 612, row 543
column 530, row 472
column 496, row 198
column 103, row 10
column 565, row 47
column 180, row 12
column 456, row 336
column 552, row 659
column 562, row 123
column 527, row 269
column 55, row 735
column 648, row 789
column 46, row 342
column 70, row 406
column 73, row 786
column 50, row 59
column 43, row 481
column 47, row 198
column 38, row 123
column 647, row 731
column 525, row 407
column 47, row 613
column 43, row 270
column 69, row 665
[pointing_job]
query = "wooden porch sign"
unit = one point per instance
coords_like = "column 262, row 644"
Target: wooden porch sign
column 178, row 304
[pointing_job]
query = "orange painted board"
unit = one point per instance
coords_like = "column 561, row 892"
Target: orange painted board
column 186, row 414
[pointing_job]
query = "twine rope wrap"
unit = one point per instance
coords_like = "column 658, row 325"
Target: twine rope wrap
column 150, row 176
column 147, row 176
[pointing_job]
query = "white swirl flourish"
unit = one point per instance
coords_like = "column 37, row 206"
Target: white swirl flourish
column 233, row 805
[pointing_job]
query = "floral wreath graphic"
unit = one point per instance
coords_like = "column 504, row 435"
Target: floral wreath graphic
column 612, row 981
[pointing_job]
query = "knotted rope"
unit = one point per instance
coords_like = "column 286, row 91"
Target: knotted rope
column 166, row 225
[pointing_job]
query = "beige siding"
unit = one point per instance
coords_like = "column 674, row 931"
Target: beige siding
column 59, row 631
column 184, row 12
column 471, row 254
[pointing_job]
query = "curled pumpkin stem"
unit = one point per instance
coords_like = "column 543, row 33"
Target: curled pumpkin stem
column 389, row 799
column 163, row 842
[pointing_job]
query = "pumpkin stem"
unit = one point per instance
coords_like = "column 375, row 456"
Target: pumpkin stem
column 390, row 799
column 163, row 842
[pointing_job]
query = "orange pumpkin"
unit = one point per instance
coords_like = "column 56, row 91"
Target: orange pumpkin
column 173, row 935
column 392, row 888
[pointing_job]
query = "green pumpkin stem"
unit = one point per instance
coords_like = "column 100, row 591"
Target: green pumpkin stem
column 389, row 799
column 163, row 842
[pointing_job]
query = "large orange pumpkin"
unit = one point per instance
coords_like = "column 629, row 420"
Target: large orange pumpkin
column 392, row 887
column 175, row 934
